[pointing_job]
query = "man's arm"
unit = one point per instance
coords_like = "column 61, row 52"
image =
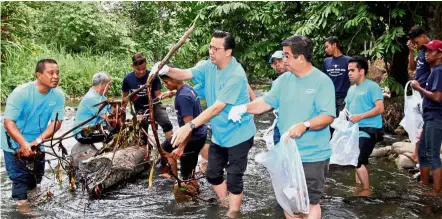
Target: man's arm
column 180, row 74
column 49, row 131
column 209, row 113
column 435, row 96
column 258, row 106
column 14, row 132
column 251, row 93
column 411, row 61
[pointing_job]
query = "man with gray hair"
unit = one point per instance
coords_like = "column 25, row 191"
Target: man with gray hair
column 101, row 83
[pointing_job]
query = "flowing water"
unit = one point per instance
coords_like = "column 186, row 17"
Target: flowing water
column 392, row 196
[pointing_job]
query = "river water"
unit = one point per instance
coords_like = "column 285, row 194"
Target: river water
column 393, row 195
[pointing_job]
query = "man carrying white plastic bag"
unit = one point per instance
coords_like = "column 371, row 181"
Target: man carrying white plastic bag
column 305, row 99
column 345, row 141
column 285, row 166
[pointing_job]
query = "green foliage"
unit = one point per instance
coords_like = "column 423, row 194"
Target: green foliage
column 395, row 87
column 88, row 36
column 76, row 70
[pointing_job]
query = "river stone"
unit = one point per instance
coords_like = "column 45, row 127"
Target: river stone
column 403, row 147
column 404, row 162
column 381, row 152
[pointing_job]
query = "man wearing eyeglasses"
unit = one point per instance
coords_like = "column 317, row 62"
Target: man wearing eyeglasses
column 225, row 85
column 305, row 99
column 28, row 110
column 431, row 138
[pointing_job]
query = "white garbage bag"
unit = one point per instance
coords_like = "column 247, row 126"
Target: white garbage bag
column 412, row 121
column 284, row 163
column 345, row 141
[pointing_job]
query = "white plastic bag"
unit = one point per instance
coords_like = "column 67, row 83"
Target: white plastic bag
column 268, row 133
column 284, row 163
column 412, row 121
column 345, row 141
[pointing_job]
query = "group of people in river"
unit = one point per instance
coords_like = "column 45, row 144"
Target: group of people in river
column 307, row 100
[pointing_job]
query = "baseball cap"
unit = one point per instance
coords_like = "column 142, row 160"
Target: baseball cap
column 434, row 45
column 278, row 54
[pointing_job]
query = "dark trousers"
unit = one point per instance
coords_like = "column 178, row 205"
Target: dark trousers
column 23, row 179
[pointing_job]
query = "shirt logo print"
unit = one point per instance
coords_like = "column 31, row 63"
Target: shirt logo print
column 309, row 91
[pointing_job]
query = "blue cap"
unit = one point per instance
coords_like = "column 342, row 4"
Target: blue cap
column 278, row 54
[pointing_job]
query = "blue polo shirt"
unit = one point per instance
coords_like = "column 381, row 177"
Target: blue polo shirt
column 422, row 68
column 228, row 85
column 433, row 110
column 187, row 103
column 337, row 69
column 300, row 99
column 360, row 99
column 86, row 109
column 31, row 111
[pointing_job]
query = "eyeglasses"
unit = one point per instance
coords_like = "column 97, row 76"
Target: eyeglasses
column 215, row 49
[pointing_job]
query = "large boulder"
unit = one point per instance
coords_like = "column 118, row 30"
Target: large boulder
column 405, row 162
column 381, row 152
column 403, row 147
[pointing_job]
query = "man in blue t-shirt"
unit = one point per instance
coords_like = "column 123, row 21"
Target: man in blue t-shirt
column 431, row 138
column 101, row 83
column 305, row 99
column 29, row 108
column 335, row 67
column 365, row 103
column 188, row 107
column 225, row 85
column 417, row 39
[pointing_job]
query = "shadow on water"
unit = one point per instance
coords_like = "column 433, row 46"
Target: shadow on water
column 392, row 196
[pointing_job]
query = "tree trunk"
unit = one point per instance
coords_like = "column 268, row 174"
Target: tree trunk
column 100, row 172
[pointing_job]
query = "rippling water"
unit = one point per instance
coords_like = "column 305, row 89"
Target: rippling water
column 392, row 196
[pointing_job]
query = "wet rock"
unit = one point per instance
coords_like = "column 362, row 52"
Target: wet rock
column 404, row 162
column 381, row 152
column 403, row 147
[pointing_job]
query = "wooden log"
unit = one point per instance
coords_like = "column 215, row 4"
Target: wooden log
column 99, row 173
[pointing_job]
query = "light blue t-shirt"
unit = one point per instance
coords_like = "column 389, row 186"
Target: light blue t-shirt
column 300, row 99
column 360, row 99
column 31, row 111
column 229, row 86
column 86, row 109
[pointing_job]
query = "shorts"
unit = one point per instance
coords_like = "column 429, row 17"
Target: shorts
column 430, row 143
column 23, row 179
column 315, row 174
column 366, row 146
column 189, row 160
column 233, row 159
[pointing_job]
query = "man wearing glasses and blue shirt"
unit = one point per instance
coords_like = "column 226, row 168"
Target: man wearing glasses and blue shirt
column 225, row 85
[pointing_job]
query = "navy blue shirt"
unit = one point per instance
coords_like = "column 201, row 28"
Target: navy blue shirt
column 337, row 69
column 187, row 103
column 433, row 110
column 131, row 82
column 422, row 68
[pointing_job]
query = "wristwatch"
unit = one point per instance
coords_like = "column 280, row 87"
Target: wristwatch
column 192, row 126
column 307, row 125
column 38, row 140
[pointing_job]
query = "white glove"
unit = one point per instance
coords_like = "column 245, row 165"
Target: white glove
column 163, row 71
column 236, row 112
